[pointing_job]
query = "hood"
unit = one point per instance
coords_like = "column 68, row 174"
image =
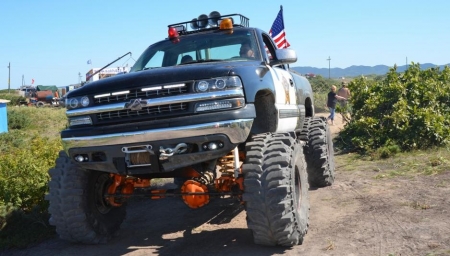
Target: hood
column 166, row 75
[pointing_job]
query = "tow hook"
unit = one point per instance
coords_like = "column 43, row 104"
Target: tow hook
column 168, row 152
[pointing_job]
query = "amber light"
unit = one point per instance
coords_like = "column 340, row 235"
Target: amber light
column 226, row 24
column 173, row 33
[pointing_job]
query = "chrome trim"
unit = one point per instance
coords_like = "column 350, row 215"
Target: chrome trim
column 236, row 130
column 191, row 97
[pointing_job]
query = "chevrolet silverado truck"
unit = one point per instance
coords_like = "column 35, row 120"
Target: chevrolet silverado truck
column 200, row 108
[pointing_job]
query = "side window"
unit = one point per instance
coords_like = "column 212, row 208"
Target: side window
column 156, row 61
column 270, row 48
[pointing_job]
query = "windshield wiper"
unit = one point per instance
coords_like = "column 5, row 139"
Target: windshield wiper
column 149, row 68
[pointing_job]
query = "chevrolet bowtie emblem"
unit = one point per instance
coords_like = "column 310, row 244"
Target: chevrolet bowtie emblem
column 135, row 104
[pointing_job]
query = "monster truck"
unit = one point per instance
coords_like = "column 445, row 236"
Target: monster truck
column 221, row 123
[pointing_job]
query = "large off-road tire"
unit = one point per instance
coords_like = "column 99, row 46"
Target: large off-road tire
column 319, row 153
column 276, row 190
column 77, row 206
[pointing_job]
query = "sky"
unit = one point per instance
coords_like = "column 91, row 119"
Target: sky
column 51, row 41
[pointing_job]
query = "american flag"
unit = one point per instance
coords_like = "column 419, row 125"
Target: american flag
column 277, row 31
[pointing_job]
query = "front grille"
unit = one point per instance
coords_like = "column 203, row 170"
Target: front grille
column 146, row 112
column 138, row 93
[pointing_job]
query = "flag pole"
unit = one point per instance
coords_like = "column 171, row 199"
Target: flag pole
column 282, row 15
column 281, row 8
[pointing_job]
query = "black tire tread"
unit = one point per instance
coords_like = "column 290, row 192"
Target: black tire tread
column 319, row 153
column 68, row 205
column 268, row 190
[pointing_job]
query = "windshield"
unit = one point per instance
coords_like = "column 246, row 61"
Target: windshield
column 202, row 47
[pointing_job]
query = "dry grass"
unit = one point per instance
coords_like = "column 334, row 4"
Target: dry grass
column 330, row 245
column 421, row 162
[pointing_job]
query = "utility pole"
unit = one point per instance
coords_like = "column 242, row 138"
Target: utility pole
column 9, row 75
column 329, row 66
column 79, row 77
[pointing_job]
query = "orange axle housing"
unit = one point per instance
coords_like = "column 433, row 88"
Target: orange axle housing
column 196, row 191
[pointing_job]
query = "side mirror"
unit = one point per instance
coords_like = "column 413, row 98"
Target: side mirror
column 284, row 56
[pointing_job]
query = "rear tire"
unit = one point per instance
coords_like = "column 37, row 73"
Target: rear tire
column 40, row 104
column 77, row 205
column 319, row 153
column 276, row 190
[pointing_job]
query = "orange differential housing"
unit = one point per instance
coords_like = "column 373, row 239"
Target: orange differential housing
column 194, row 194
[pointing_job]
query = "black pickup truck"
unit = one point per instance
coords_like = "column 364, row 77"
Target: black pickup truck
column 213, row 106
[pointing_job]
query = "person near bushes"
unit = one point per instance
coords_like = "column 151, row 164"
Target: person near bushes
column 344, row 92
column 332, row 101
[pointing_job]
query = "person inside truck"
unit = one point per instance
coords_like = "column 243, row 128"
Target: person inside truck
column 246, row 51
column 186, row 58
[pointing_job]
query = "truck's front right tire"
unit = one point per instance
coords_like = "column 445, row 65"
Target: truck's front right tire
column 276, row 190
column 77, row 205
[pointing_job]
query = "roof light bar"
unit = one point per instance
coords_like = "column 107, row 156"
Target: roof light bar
column 213, row 20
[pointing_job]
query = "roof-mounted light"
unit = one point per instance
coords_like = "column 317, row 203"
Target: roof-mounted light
column 202, row 21
column 173, row 33
column 214, row 19
column 226, row 23
column 194, row 23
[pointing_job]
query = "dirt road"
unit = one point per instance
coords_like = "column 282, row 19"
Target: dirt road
column 358, row 215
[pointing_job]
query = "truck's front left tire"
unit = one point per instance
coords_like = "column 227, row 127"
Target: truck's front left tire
column 276, row 190
column 77, row 205
column 319, row 153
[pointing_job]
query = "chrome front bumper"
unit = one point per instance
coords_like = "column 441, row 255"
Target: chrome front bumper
column 236, row 130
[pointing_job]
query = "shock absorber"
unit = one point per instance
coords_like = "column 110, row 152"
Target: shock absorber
column 230, row 170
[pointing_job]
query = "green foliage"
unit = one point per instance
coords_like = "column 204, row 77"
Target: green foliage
column 11, row 140
column 320, row 101
column 17, row 120
column 388, row 150
column 27, row 151
column 20, row 230
column 13, row 97
column 23, row 173
column 410, row 110
column 320, row 84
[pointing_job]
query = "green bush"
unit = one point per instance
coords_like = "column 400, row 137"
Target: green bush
column 17, row 120
column 13, row 97
column 23, row 173
column 320, row 84
column 410, row 110
column 26, row 154
column 11, row 140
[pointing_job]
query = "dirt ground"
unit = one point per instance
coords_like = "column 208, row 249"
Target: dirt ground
column 357, row 215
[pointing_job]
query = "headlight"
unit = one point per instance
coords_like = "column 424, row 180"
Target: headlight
column 218, row 83
column 85, row 101
column 202, row 86
column 78, row 102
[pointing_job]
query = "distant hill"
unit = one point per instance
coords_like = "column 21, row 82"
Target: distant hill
column 354, row 71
